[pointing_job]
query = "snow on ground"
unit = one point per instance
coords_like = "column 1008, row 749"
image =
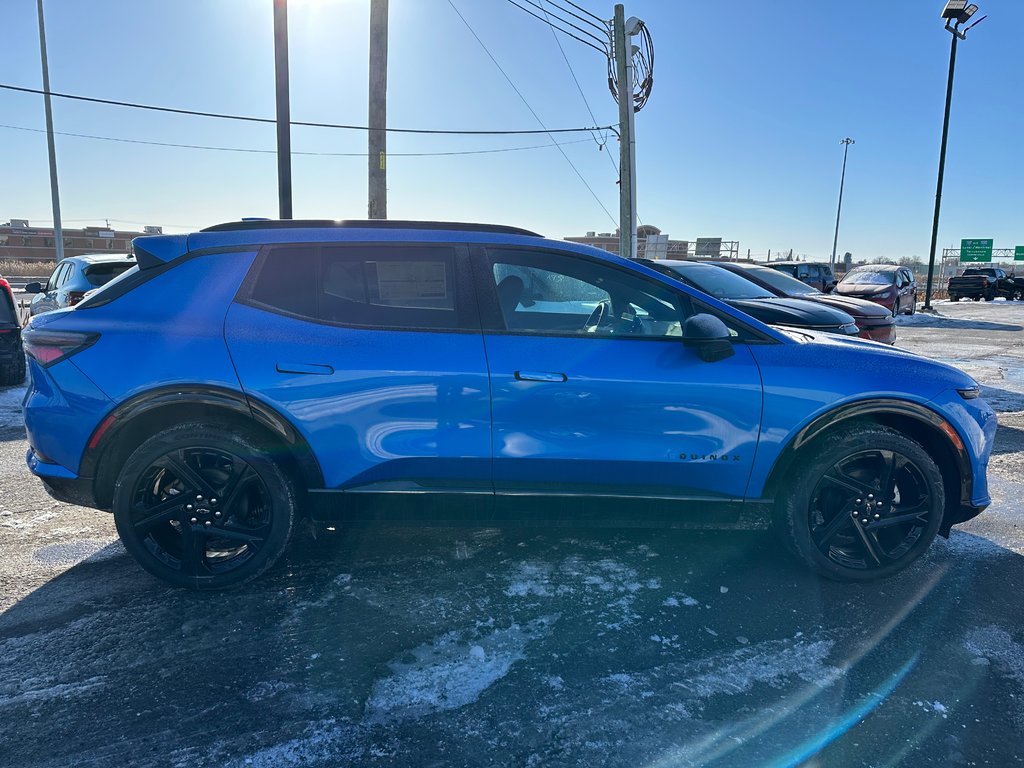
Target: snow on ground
column 10, row 409
column 995, row 646
column 450, row 671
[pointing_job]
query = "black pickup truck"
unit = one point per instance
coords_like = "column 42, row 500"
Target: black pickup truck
column 986, row 283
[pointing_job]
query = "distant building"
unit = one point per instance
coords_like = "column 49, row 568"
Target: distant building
column 701, row 248
column 19, row 241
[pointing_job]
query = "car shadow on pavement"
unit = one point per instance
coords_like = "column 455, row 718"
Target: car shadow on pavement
column 462, row 647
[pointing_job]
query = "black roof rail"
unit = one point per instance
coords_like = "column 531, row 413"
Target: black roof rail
column 241, row 226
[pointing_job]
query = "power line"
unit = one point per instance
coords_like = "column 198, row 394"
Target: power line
column 601, row 47
column 572, row 72
column 532, row 112
column 248, row 118
column 584, row 10
column 274, row 151
column 601, row 24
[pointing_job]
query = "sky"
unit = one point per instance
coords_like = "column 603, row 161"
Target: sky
column 740, row 138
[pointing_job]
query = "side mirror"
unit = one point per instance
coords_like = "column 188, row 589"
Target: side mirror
column 34, row 288
column 709, row 336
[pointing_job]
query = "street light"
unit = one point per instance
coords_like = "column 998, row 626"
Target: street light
column 842, row 179
column 956, row 13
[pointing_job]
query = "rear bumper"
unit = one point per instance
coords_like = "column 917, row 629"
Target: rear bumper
column 60, row 483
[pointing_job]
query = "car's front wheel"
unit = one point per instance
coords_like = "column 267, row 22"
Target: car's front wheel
column 866, row 504
column 204, row 506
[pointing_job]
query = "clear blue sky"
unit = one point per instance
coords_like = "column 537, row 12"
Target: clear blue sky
column 740, row 138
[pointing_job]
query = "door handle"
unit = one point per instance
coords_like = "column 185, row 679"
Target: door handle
column 319, row 370
column 540, row 376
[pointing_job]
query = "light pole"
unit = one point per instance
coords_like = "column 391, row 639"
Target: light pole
column 842, row 179
column 955, row 13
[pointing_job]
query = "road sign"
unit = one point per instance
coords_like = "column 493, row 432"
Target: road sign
column 1018, row 253
column 976, row 250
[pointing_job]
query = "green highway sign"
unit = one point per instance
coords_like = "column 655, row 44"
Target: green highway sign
column 976, row 250
column 1018, row 253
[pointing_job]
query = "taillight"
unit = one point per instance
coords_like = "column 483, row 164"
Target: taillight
column 49, row 347
column 4, row 285
column 74, row 297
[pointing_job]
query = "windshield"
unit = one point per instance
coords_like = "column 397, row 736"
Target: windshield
column 869, row 277
column 782, row 281
column 721, row 283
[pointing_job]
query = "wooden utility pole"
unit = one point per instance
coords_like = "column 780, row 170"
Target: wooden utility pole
column 377, row 199
column 284, row 135
column 58, row 231
column 627, row 145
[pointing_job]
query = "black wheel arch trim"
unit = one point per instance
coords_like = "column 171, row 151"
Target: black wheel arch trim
column 221, row 398
column 870, row 409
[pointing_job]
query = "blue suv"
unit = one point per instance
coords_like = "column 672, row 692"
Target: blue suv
column 242, row 377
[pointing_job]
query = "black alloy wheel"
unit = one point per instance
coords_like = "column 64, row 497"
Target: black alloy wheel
column 867, row 505
column 203, row 507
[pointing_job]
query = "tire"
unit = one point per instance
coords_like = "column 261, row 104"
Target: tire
column 1017, row 295
column 954, row 297
column 990, row 296
column 913, row 307
column 896, row 307
column 204, row 506
column 12, row 373
column 843, row 473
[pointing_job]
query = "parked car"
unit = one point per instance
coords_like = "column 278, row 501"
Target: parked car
column 816, row 274
column 12, row 356
column 886, row 284
column 73, row 277
column 873, row 322
column 756, row 301
column 415, row 372
column 985, row 283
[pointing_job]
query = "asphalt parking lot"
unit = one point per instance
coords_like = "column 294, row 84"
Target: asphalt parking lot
column 517, row 647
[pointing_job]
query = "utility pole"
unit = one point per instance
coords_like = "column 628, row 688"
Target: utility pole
column 284, row 135
column 942, row 169
column 377, row 202
column 842, row 180
column 627, row 142
column 58, row 230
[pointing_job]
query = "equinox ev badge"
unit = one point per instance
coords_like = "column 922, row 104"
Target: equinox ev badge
column 708, row 457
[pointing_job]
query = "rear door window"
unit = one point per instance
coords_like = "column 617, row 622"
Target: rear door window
column 388, row 286
column 101, row 274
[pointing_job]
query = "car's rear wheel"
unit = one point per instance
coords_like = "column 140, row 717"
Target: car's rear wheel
column 204, row 507
column 866, row 504
column 1017, row 295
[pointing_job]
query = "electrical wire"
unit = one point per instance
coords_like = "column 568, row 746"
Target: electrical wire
column 604, row 142
column 602, row 39
column 222, row 116
column 274, row 151
column 599, row 48
column 535, row 115
column 584, row 10
column 643, row 70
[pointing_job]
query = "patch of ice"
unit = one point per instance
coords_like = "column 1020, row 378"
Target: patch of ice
column 450, row 672
column 554, row 681
column 52, row 691
column 325, row 741
column 1003, row 653
column 723, row 590
column 771, row 662
column 671, row 602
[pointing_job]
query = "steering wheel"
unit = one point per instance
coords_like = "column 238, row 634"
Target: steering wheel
column 598, row 317
column 603, row 319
